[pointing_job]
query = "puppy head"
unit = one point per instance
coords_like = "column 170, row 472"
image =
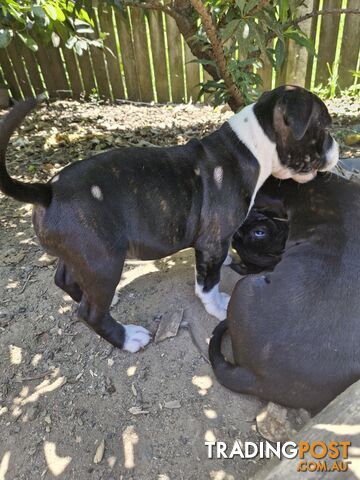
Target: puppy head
column 297, row 121
column 260, row 240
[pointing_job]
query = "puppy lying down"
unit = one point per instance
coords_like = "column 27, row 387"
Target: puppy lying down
column 295, row 331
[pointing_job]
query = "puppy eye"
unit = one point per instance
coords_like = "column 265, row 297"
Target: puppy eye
column 259, row 233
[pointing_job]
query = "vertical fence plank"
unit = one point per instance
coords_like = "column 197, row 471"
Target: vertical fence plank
column 175, row 60
column 10, row 78
column 265, row 73
column 192, row 75
column 207, row 96
column 295, row 67
column 99, row 66
column 159, row 55
column 312, row 34
column 112, row 59
column 128, row 57
column 15, row 50
column 327, row 45
column 87, row 73
column 42, row 58
column 33, row 71
column 141, row 54
column 350, row 47
column 53, row 71
column 73, row 72
column 57, row 67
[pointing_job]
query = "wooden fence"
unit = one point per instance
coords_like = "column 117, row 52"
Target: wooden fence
column 150, row 60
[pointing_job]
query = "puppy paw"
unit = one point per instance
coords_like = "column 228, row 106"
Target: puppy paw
column 136, row 337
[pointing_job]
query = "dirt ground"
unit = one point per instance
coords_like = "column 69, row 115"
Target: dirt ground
column 65, row 393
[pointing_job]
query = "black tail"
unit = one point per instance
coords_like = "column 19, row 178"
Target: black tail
column 37, row 193
column 233, row 377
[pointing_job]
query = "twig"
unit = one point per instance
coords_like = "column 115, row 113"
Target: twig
column 218, row 51
column 315, row 13
column 30, row 379
column 188, row 327
column 26, row 282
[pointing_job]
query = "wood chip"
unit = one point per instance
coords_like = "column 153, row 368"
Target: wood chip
column 99, row 454
column 172, row 404
column 169, row 325
column 138, row 411
column 134, row 391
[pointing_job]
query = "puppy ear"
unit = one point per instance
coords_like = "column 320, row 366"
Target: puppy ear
column 297, row 107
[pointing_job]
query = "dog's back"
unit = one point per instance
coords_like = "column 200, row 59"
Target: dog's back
column 296, row 330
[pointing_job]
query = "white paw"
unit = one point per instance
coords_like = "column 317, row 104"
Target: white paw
column 214, row 301
column 136, row 337
column 228, row 260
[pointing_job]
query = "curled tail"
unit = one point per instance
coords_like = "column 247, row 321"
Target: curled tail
column 233, row 377
column 37, row 193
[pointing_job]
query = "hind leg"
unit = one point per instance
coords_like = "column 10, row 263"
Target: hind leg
column 98, row 283
column 65, row 280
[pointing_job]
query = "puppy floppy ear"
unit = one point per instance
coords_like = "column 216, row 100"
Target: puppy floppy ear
column 297, row 107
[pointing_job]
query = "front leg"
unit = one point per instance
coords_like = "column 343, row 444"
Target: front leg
column 207, row 279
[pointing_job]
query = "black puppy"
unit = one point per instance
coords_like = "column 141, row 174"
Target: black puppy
column 295, row 332
column 260, row 241
column 148, row 203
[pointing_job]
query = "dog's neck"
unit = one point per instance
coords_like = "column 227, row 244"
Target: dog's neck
column 250, row 133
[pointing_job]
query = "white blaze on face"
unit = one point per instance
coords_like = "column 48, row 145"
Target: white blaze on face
column 332, row 156
column 96, row 192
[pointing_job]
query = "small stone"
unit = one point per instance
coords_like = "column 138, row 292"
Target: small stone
column 47, row 419
column 45, row 260
column 32, row 412
column 273, row 423
column 172, row 404
column 169, row 325
column 138, row 411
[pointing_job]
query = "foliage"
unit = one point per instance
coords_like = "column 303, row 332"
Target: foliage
column 47, row 21
column 250, row 31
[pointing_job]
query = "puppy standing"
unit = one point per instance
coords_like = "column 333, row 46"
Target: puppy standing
column 147, row 203
column 295, row 331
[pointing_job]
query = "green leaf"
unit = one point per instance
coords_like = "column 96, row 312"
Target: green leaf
column 300, row 38
column 241, row 5
column 60, row 14
column 250, row 5
column 279, row 53
column 203, row 61
column 55, row 39
column 284, row 7
column 81, row 46
column 51, row 11
column 5, row 37
column 29, row 42
column 230, row 29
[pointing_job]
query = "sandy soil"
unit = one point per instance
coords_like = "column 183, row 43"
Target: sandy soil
column 64, row 391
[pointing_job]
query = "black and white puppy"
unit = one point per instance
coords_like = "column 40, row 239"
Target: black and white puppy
column 147, row 203
column 295, row 331
column 260, row 241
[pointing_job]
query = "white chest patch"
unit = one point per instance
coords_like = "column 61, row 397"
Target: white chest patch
column 250, row 133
